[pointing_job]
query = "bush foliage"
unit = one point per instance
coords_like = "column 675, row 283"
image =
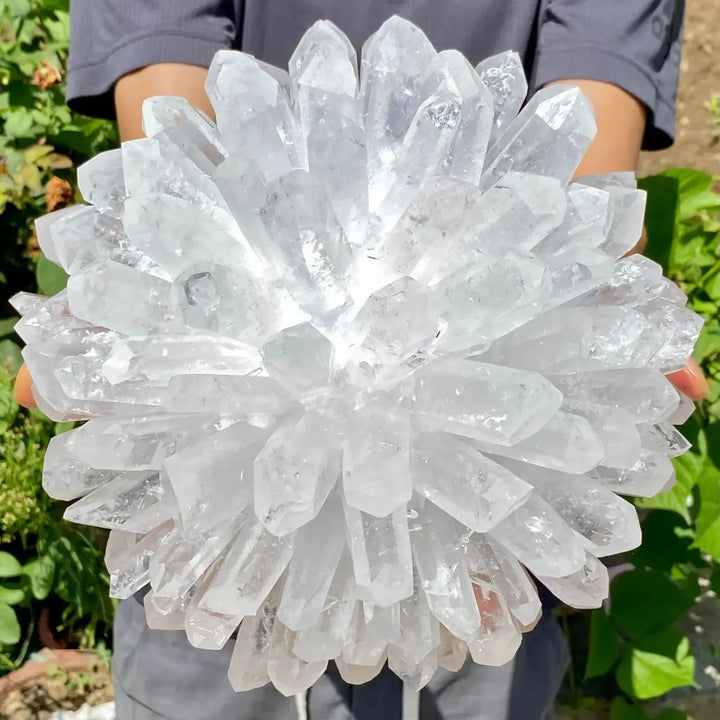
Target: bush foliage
column 634, row 652
column 51, row 572
column 636, row 648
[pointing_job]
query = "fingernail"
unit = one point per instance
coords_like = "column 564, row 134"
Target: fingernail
column 700, row 383
column 690, row 381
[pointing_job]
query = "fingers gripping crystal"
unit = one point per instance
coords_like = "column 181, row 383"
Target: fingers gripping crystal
column 357, row 359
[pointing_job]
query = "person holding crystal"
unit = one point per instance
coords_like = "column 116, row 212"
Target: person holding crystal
column 623, row 56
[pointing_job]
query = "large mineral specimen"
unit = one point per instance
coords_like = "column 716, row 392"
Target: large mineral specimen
column 357, row 359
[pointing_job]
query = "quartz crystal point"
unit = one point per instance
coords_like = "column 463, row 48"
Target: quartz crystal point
column 444, row 579
column 376, row 460
column 548, row 546
column 489, row 561
column 305, row 593
column 323, row 73
column 294, row 473
column 380, row 549
column 127, row 558
column 250, row 567
column 463, row 482
column 393, row 62
column 135, row 501
column 548, row 137
column 253, row 113
column 586, row 588
column 325, row 638
column 504, row 76
column 487, row 402
column 356, row 359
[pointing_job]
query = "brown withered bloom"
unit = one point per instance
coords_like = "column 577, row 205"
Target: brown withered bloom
column 46, row 75
column 59, row 194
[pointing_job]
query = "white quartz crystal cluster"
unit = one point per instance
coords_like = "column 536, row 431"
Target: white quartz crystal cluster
column 357, row 359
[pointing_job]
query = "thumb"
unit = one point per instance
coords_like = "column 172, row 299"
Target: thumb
column 690, row 381
column 23, row 388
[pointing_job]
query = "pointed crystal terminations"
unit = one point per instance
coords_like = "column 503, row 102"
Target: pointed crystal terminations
column 487, row 402
column 294, row 473
column 380, row 549
column 358, row 360
column 463, row 482
column 548, row 137
column 376, row 460
column 392, row 64
column 253, row 113
column 504, row 76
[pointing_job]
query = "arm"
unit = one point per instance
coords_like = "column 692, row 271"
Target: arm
column 161, row 79
column 621, row 122
column 130, row 91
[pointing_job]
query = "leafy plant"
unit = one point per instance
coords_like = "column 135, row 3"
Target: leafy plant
column 45, row 562
column 636, row 647
column 40, row 138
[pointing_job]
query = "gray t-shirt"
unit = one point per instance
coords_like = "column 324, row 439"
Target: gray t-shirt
column 631, row 43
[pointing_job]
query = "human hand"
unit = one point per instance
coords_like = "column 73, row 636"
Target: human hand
column 691, row 379
column 23, row 388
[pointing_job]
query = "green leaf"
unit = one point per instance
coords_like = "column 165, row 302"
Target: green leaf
column 666, row 542
column 11, row 595
column 9, row 625
column 631, row 610
column 7, row 325
column 51, row 278
column 42, row 575
column 679, row 238
column 17, row 8
column 9, row 566
column 656, row 664
column 711, row 284
column 671, row 714
column 662, row 200
column 687, row 470
column 707, row 521
column 35, row 152
column 19, row 123
column 708, row 344
column 620, row 709
column 55, row 161
column 31, row 177
column 8, row 406
column 695, row 193
column 59, row 29
column 692, row 253
column 10, row 356
column 604, row 645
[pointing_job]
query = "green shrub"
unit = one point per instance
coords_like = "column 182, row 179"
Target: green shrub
column 44, row 561
column 39, row 135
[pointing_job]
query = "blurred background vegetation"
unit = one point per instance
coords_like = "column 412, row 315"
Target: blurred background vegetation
column 53, row 587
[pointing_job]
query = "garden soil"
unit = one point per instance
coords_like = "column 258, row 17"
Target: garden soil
column 54, row 680
column 697, row 128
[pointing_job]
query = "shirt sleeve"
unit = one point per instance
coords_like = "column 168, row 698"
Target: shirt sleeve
column 634, row 44
column 109, row 39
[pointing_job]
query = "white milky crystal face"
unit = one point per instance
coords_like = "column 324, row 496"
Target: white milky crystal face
column 357, row 359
